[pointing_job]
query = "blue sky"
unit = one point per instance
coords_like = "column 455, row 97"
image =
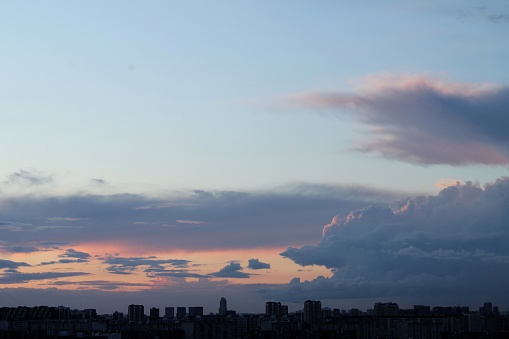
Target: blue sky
column 250, row 123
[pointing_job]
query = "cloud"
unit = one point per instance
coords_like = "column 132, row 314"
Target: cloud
column 256, row 264
column 70, row 253
column 24, row 177
column 102, row 285
column 286, row 216
column 66, row 219
column 424, row 121
column 176, row 273
column 124, row 265
column 453, row 245
column 232, row 270
column 30, row 247
column 19, row 249
column 484, row 14
column 11, row 264
column 98, row 181
column 18, row 277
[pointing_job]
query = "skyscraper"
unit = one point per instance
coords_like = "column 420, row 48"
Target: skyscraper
column 181, row 312
column 196, row 311
column 135, row 313
column 154, row 313
column 169, row 312
column 312, row 311
column 222, row 307
column 273, row 308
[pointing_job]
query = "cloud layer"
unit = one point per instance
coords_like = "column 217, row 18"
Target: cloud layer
column 425, row 121
column 450, row 245
column 200, row 221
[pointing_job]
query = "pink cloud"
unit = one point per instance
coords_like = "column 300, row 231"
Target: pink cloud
column 425, row 121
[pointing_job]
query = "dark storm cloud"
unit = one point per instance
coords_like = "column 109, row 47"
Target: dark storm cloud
column 424, row 121
column 450, row 245
column 232, row 270
column 290, row 215
column 25, row 177
column 256, row 264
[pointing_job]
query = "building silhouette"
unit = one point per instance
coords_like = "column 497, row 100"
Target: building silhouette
column 275, row 309
column 169, row 312
column 154, row 313
column 312, row 311
column 196, row 311
column 222, row 307
column 135, row 313
column 181, row 312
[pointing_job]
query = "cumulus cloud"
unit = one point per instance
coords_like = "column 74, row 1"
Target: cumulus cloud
column 232, row 270
column 452, row 244
column 425, row 121
column 256, row 264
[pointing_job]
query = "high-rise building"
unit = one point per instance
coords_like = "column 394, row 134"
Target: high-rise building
column 312, row 311
column 181, row 312
column 118, row 316
column 196, row 311
column 154, row 313
column 135, row 313
column 222, row 307
column 169, row 312
column 486, row 309
column 386, row 309
column 273, row 308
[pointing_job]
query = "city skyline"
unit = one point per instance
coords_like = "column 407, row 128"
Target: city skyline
column 308, row 309
column 180, row 152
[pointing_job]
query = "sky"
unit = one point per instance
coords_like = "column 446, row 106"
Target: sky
column 172, row 153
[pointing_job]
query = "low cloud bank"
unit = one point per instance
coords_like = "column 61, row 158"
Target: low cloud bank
column 453, row 245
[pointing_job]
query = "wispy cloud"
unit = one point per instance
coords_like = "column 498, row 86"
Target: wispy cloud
column 18, row 277
column 25, row 177
column 102, row 285
column 98, row 181
column 483, row 13
column 421, row 120
column 128, row 265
